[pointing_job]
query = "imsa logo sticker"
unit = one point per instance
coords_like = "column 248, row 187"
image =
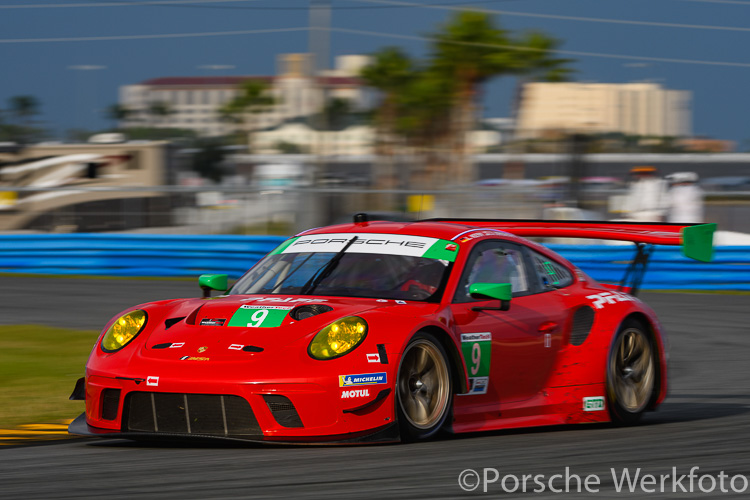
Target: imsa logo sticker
column 593, row 404
column 362, row 379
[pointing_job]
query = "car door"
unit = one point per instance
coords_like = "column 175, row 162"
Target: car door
column 509, row 354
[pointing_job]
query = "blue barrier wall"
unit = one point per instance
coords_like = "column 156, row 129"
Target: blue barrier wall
column 168, row 255
column 132, row 254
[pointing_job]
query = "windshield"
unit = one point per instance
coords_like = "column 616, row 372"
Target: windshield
column 355, row 274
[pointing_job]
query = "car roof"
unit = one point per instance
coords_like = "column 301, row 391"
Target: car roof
column 428, row 228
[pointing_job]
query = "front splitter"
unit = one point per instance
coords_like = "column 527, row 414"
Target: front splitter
column 385, row 434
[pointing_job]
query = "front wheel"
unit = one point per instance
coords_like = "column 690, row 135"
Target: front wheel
column 631, row 373
column 424, row 390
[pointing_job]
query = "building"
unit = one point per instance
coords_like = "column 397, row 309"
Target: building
column 194, row 102
column 644, row 109
column 85, row 187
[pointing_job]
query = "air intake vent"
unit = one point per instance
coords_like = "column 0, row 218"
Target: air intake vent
column 110, row 403
column 583, row 319
column 172, row 321
column 201, row 414
column 309, row 310
column 283, row 410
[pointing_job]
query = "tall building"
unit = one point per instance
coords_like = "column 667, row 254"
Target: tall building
column 644, row 109
column 194, row 102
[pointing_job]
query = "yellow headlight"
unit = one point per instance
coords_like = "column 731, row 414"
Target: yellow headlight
column 124, row 330
column 338, row 338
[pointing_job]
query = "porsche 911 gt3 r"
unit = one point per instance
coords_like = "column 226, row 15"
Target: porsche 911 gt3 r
column 380, row 331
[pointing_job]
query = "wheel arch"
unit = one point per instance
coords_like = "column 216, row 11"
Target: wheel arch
column 458, row 371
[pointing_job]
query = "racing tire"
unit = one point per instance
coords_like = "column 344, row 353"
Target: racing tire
column 424, row 388
column 631, row 373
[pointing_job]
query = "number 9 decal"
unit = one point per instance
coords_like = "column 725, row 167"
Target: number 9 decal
column 476, row 358
column 257, row 318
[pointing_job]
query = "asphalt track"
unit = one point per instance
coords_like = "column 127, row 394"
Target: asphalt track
column 703, row 423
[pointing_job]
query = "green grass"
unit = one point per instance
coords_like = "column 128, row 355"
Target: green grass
column 39, row 367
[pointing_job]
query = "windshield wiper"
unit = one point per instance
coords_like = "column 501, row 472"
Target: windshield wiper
column 273, row 290
column 326, row 270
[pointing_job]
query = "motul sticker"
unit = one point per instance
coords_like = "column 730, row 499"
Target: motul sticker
column 593, row 404
column 355, row 393
column 476, row 349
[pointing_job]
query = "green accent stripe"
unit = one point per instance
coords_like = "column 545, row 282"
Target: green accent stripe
column 283, row 246
column 697, row 242
column 439, row 250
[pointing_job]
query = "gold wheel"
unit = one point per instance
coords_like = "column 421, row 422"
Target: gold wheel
column 631, row 372
column 424, row 386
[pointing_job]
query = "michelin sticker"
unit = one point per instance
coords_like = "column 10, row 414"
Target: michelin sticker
column 362, row 379
column 260, row 316
column 476, row 350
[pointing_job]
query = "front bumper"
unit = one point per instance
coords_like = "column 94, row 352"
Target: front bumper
column 289, row 412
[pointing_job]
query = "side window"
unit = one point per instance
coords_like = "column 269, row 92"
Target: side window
column 551, row 274
column 493, row 262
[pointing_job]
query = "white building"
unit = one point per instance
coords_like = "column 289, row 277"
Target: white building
column 644, row 109
column 356, row 140
column 194, row 102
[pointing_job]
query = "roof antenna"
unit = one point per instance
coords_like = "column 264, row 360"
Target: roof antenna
column 361, row 218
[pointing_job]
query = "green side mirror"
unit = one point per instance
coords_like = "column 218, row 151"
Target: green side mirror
column 210, row 282
column 488, row 291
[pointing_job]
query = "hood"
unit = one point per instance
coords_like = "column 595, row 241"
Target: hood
column 253, row 323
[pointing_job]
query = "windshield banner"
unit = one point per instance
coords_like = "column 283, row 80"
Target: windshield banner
column 384, row 244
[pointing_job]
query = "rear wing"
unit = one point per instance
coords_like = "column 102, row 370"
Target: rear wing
column 696, row 240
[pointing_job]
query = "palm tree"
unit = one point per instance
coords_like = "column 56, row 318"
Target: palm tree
column 254, row 98
column 119, row 113
column 23, row 107
column 390, row 72
column 471, row 49
column 160, row 110
column 539, row 65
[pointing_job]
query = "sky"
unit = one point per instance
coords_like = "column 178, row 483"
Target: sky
column 74, row 55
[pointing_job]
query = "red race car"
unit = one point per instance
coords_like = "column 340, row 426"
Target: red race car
column 387, row 331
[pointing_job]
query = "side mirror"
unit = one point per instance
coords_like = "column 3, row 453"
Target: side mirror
column 209, row 282
column 488, row 291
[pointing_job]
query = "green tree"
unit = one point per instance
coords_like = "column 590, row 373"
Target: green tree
column 471, row 49
column 390, row 72
column 254, row 98
column 24, row 108
column 119, row 113
column 160, row 110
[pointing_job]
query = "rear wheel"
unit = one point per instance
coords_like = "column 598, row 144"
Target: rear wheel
column 631, row 373
column 424, row 390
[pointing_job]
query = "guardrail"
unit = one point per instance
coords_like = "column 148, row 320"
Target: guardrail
column 667, row 269
column 176, row 256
